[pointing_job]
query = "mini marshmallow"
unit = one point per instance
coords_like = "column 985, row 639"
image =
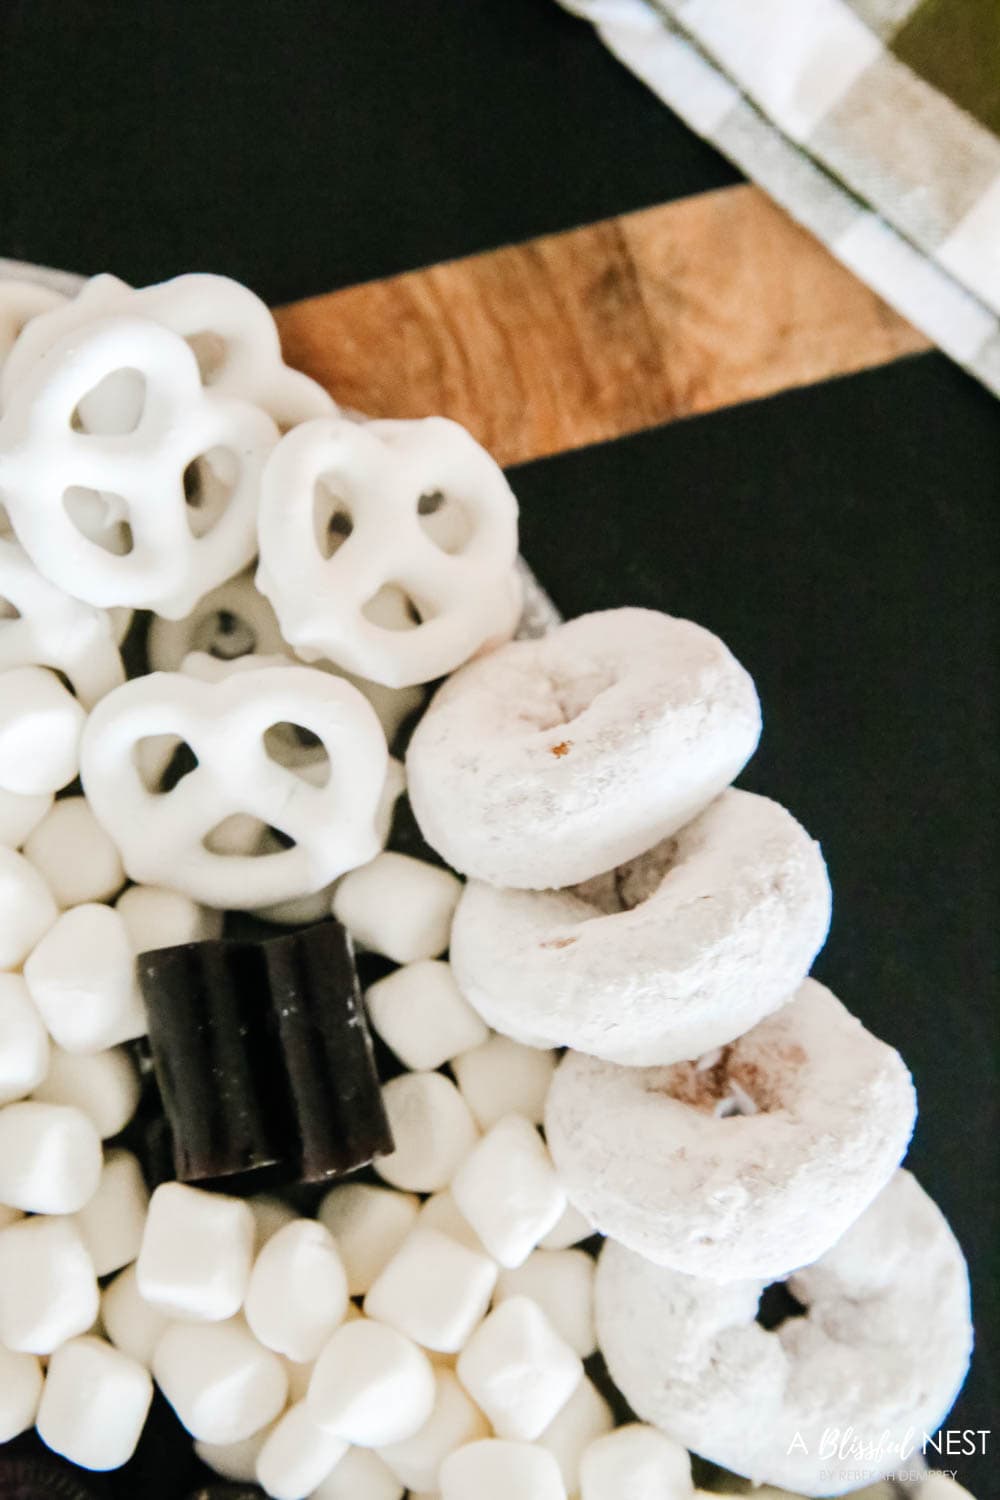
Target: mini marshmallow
column 113, row 1220
column 455, row 1421
column 40, row 728
column 398, row 906
column 299, row 1375
column 570, row 1230
column 368, row 1224
column 297, row 1455
column 360, row 1475
column 495, row 1470
column 433, row 1129
column 635, row 1463
column 27, row 905
column 50, row 1157
column 20, row 814
column 269, row 1215
column 48, row 1290
column 157, row 918
column 104, row 1085
column 434, row 1289
column 196, row 1253
column 24, row 1042
column 371, row 1386
column 440, row 1211
column 222, row 1384
column 562, row 1283
column 20, row 1389
column 509, row 1191
column 518, row 1370
column 501, row 1077
column 94, row 1404
column 82, row 978
column 297, row 1294
column 78, row 859
column 235, row 1461
column 132, row 1324
column 585, row 1417
column 421, row 1015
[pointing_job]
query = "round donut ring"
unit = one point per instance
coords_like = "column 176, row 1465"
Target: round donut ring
column 549, row 761
column 855, row 1383
column 677, row 952
column 749, row 1163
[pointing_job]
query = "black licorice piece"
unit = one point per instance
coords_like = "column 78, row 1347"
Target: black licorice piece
column 263, row 1058
column 28, row 1478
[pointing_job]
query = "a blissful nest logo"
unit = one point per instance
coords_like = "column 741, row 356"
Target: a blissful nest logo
column 845, row 1445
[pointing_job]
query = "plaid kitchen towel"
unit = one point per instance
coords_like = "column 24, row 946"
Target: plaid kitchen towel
column 874, row 123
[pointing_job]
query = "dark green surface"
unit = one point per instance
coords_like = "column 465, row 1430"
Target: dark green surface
column 955, row 45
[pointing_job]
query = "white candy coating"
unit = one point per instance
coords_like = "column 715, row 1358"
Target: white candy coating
column 635, row 1462
column 585, row 1417
column 360, row 1475
column 553, row 760
column 455, row 1421
column 441, row 1212
column 20, row 815
column 196, row 1253
column 882, row 1349
column 113, row 1220
column 24, row 1042
column 94, row 1404
column 297, row 1294
column 104, row 1085
column 50, row 1157
column 78, row 859
column 562, row 1283
column 296, row 1455
column 381, row 479
column 509, row 1190
column 159, row 918
column 432, row 1128
column 132, row 1324
column 399, row 906
column 420, row 1013
column 497, row 1470
column 163, row 835
column 48, row 1290
column 82, row 978
column 502, row 1077
column 20, row 1389
column 368, row 1224
column 518, row 1370
column 20, row 301
column 27, row 905
column 371, row 1386
column 681, row 950
column 434, row 1289
column 222, row 1384
column 750, row 1165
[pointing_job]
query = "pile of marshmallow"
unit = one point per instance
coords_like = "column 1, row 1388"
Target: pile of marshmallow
column 721, row 1118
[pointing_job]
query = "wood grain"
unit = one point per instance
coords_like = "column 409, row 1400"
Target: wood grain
column 608, row 329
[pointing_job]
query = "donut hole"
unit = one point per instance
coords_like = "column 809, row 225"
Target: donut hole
column 211, row 351
column 296, row 748
column 628, row 886
column 99, row 516
column 562, row 700
column 777, row 1306
column 723, row 1084
column 224, row 635
column 392, row 608
column 113, row 407
column 162, row 761
column 333, row 522
column 209, row 482
column 445, row 520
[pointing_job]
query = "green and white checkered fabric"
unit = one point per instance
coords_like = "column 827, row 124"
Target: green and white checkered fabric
column 875, row 123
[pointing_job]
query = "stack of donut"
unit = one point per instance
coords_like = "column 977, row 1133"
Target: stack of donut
column 721, row 1118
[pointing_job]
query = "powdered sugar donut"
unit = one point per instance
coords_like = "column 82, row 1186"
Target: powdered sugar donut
column 875, row 1362
column 550, row 761
column 678, row 951
column 748, row 1163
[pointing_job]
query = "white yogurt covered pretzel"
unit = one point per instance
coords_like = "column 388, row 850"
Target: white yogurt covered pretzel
column 176, row 551
column 749, row 1163
column 676, row 952
column 879, row 1354
column 554, row 760
column 352, row 512
column 230, row 330
column 20, row 302
column 162, row 836
column 41, row 625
